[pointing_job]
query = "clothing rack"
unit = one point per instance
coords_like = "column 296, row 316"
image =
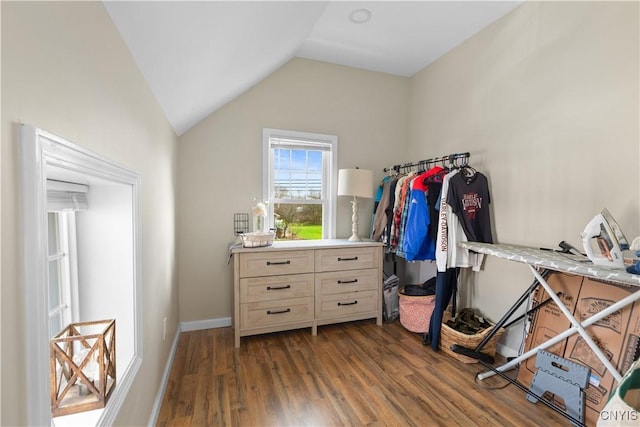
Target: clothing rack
column 452, row 159
column 447, row 281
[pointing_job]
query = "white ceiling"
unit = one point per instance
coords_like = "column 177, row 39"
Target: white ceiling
column 199, row 55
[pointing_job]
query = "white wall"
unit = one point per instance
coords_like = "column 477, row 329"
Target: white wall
column 66, row 69
column 220, row 161
column 105, row 264
column 546, row 101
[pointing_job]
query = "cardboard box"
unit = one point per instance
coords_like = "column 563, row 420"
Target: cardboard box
column 617, row 335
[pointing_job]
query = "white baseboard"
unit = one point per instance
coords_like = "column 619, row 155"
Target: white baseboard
column 163, row 383
column 506, row 351
column 205, row 324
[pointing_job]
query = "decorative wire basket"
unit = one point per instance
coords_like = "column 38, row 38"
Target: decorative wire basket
column 257, row 239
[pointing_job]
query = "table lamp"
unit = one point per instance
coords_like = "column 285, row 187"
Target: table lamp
column 357, row 183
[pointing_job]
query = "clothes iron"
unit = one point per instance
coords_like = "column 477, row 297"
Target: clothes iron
column 604, row 241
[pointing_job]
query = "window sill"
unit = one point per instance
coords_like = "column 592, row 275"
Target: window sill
column 81, row 419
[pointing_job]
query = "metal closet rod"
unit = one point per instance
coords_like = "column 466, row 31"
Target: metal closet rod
column 450, row 158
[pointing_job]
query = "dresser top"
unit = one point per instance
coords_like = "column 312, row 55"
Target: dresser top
column 283, row 245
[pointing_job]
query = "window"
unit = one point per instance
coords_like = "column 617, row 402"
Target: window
column 63, row 290
column 300, row 176
column 64, row 198
column 108, row 270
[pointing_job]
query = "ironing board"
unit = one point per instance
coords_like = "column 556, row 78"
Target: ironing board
column 567, row 263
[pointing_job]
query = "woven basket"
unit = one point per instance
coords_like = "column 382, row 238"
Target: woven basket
column 415, row 311
column 449, row 336
column 257, row 239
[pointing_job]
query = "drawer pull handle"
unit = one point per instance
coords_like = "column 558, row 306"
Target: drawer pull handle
column 279, row 312
column 348, row 303
column 355, row 258
column 341, row 282
column 275, row 288
column 278, row 262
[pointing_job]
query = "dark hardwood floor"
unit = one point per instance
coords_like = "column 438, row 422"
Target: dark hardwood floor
column 351, row 374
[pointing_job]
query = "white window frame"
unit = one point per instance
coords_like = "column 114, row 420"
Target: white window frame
column 40, row 149
column 67, row 257
column 329, row 174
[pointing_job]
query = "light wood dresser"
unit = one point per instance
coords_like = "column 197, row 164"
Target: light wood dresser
column 305, row 283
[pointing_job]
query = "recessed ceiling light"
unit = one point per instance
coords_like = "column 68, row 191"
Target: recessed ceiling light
column 360, row 16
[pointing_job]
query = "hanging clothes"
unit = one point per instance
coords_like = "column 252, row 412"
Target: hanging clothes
column 376, row 202
column 418, row 245
column 444, row 212
column 388, row 213
column 380, row 219
column 469, row 200
column 433, row 200
column 450, row 233
column 431, row 213
column 399, row 212
column 406, row 199
column 415, row 221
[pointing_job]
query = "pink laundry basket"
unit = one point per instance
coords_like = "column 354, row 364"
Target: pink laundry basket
column 415, row 311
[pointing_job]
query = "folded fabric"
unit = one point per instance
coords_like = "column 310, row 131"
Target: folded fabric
column 634, row 268
column 468, row 323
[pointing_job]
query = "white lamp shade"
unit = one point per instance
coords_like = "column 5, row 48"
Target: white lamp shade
column 355, row 182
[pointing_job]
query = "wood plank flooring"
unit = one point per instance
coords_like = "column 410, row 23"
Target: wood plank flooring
column 351, row 374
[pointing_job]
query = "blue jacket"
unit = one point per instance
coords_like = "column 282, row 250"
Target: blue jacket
column 417, row 245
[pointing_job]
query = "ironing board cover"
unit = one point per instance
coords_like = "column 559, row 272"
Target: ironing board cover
column 552, row 260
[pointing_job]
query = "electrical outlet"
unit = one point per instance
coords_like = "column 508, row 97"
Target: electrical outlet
column 164, row 328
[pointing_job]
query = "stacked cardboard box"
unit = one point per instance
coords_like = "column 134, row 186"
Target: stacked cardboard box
column 617, row 335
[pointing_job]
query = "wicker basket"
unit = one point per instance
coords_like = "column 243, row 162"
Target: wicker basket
column 257, row 239
column 449, row 336
column 415, row 311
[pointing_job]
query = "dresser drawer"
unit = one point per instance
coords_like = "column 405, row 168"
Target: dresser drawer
column 271, row 263
column 333, row 282
column 345, row 304
column 276, row 287
column 269, row 313
column 346, row 259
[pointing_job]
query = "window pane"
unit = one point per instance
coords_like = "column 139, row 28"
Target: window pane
column 314, row 185
column 281, row 158
column 52, row 230
column 298, row 221
column 299, row 159
column 303, row 180
column 315, row 160
column 55, row 324
column 54, row 283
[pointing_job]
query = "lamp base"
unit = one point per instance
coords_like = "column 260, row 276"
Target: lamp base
column 354, row 221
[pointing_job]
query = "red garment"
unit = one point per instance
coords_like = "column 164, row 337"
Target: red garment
column 420, row 182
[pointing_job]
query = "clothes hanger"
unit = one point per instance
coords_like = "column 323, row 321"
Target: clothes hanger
column 467, row 170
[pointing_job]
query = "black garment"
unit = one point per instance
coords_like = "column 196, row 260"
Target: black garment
column 389, row 209
column 433, row 197
column 469, row 200
column 446, row 281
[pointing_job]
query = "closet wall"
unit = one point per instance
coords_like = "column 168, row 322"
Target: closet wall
column 546, row 101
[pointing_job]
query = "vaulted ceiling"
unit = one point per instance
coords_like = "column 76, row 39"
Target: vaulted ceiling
column 199, row 55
